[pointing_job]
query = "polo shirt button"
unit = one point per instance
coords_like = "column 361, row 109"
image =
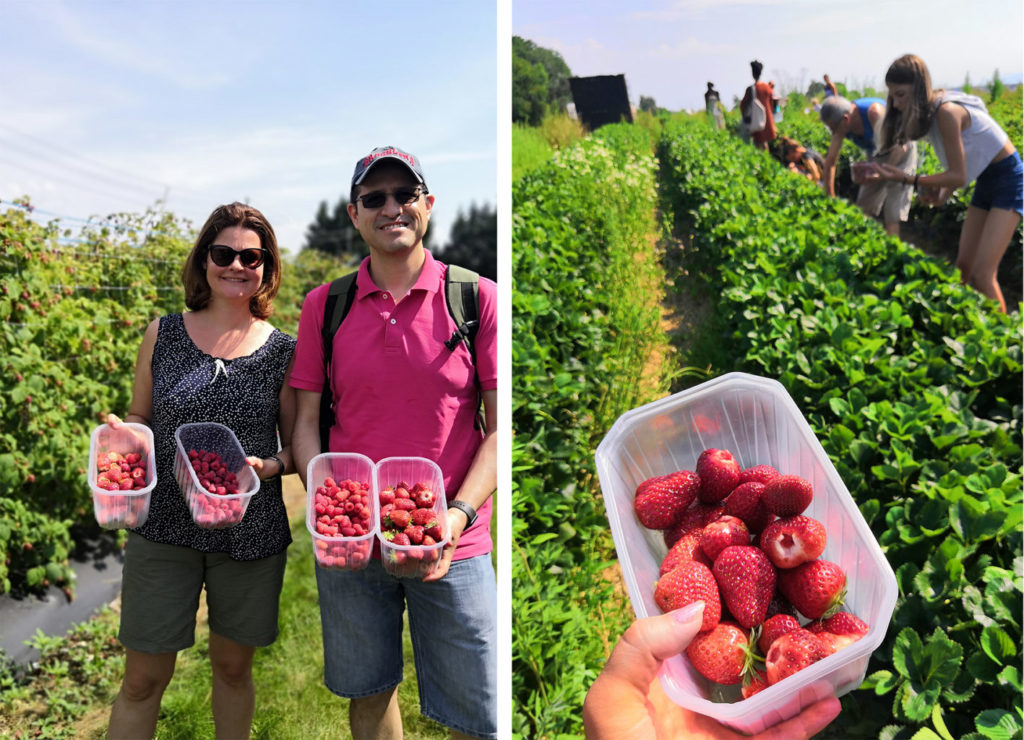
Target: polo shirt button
column 385, row 296
column 393, row 321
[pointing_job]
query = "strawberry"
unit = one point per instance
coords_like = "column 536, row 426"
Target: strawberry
column 696, row 517
column 793, row 540
column 719, row 473
column 746, row 580
column 424, row 496
column 787, row 495
column 689, row 582
column 685, row 549
column 415, row 533
column 720, row 654
column 404, row 504
column 779, row 604
column 434, row 532
column 745, row 503
column 387, row 496
column 792, row 652
column 773, row 628
column 424, row 517
column 758, row 474
column 838, row 631
column 660, row 501
column 816, row 588
column 398, row 519
column 720, row 534
column 753, row 682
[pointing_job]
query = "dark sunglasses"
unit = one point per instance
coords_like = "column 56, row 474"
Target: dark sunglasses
column 223, row 256
column 402, row 196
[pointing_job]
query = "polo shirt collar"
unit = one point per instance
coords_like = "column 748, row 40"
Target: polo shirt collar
column 429, row 280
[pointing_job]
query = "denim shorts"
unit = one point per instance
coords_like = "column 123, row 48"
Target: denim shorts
column 160, row 589
column 453, row 624
column 1001, row 185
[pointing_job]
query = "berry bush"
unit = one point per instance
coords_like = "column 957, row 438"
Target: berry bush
column 73, row 306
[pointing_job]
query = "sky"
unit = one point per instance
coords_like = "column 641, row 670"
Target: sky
column 670, row 49
column 111, row 106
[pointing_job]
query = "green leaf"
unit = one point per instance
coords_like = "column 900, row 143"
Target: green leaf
column 998, row 724
column 997, row 644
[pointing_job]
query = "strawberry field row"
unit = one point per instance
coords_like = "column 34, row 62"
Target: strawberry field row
column 583, row 326
column 912, row 383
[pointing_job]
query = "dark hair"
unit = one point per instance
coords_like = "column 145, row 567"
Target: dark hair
column 899, row 127
column 755, row 68
column 193, row 274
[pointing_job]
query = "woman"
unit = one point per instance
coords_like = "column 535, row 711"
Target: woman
column 971, row 148
column 219, row 362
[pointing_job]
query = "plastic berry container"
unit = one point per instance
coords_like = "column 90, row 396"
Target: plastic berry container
column 211, row 510
column 412, row 561
column 757, row 420
column 127, row 508
column 327, row 516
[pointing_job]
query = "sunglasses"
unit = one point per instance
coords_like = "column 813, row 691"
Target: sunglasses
column 223, row 256
column 402, row 196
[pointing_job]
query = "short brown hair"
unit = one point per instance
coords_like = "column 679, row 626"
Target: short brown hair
column 193, row 274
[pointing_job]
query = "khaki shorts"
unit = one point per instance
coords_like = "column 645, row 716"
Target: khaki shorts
column 160, row 590
column 890, row 199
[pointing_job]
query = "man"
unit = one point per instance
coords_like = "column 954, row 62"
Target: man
column 860, row 121
column 400, row 391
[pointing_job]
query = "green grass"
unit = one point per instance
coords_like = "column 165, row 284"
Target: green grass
column 291, row 700
column 529, row 150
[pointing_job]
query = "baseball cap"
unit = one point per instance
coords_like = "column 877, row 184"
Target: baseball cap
column 364, row 164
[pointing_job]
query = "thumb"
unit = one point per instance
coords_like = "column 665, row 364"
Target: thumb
column 639, row 654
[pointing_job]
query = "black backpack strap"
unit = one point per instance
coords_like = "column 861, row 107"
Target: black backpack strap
column 339, row 300
column 462, row 296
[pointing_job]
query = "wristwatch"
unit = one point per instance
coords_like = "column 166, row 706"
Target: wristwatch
column 279, row 462
column 466, row 509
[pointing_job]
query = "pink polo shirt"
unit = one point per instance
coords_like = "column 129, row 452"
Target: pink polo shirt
column 398, row 390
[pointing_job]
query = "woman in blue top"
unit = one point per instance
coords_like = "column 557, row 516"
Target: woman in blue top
column 971, row 148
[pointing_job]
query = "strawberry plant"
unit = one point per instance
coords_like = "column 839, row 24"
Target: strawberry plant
column 912, row 382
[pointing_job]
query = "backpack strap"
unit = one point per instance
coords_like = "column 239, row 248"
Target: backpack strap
column 339, row 300
column 462, row 296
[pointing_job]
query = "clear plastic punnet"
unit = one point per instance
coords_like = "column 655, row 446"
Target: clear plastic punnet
column 412, row 561
column 118, row 509
column 212, row 510
column 334, row 512
column 757, row 420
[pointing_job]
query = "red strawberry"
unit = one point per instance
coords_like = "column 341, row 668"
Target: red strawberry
column 720, row 534
column 720, row 654
column 694, row 518
column 686, row 584
column 746, row 580
column 793, row 540
column 404, row 504
column 400, row 538
column 434, row 532
column 758, row 474
column 753, row 682
column 779, row 605
column 415, row 533
column 787, row 495
column 661, row 501
column 792, row 652
column 398, row 518
column 838, row 631
column 424, row 517
column 387, row 496
column 719, row 473
column 773, row 628
column 816, row 588
column 745, row 502
column 687, row 548
column 424, row 498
